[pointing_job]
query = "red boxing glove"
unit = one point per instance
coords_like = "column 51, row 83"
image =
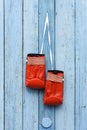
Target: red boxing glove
column 35, row 71
column 54, row 88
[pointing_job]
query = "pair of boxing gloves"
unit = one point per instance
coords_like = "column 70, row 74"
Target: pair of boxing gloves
column 36, row 79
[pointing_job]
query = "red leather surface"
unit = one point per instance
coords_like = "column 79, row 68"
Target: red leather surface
column 53, row 94
column 35, row 76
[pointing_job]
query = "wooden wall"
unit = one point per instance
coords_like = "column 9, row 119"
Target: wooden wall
column 21, row 30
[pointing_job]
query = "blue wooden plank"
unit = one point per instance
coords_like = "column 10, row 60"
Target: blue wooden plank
column 81, row 65
column 13, row 65
column 1, row 67
column 44, row 7
column 30, row 97
column 64, row 45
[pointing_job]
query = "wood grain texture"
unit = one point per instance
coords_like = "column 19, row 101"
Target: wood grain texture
column 64, row 60
column 21, row 30
column 44, row 7
column 81, row 65
column 1, row 67
column 13, row 65
column 30, row 97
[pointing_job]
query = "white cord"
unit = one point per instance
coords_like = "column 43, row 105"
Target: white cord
column 46, row 25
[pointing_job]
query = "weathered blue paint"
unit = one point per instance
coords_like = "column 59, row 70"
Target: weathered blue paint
column 13, row 65
column 1, row 67
column 81, row 65
column 21, row 30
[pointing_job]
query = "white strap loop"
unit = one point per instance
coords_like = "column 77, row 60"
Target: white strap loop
column 46, row 25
